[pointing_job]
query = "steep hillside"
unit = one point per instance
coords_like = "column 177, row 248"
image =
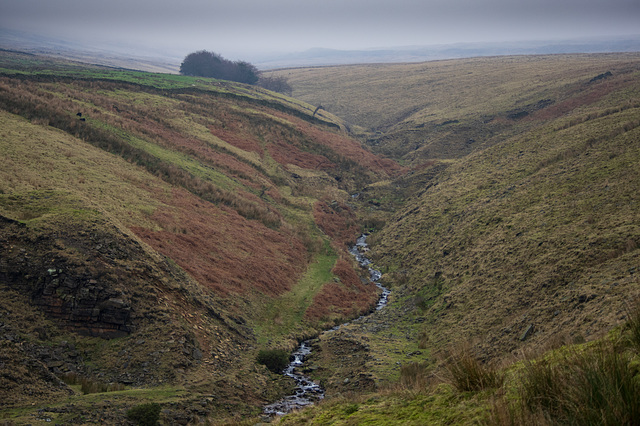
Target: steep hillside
column 539, row 232
column 447, row 109
column 157, row 231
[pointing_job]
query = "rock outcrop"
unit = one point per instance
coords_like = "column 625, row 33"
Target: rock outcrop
column 68, row 277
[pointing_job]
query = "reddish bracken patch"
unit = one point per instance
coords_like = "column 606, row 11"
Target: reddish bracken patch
column 222, row 250
column 584, row 96
column 285, row 153
column 237, row 139
column 348, row 298
column 156, row 131
column 336, row 220
column 347, row 147
column 348, row 276
column 352, row 150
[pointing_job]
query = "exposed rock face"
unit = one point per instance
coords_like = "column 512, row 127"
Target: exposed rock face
column 70, row 282
column 83, row 303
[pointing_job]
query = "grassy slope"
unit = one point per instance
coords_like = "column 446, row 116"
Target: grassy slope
column 447, row 109
column 218, row 180
column 537, row 231
column 544, row 223
column 75, row 199
column 17, row 64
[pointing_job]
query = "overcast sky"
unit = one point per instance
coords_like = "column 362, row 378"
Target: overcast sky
column 235, row 28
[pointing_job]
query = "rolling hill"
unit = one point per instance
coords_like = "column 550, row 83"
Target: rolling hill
column 447, row 109
column 158, row 230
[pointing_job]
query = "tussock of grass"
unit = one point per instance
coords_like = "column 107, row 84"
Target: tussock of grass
column 633, row 323
column 275, row 360
column 415, row 375
column 145, row 414
column 467, row 374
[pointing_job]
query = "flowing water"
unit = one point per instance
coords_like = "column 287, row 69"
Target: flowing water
column 359, row 251
column 307, row 391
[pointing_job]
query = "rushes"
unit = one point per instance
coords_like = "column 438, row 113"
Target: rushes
column 593, row 387
column 633, row 324
column 414, row 376
column 584, row 384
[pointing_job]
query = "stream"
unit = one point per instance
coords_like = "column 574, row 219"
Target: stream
column 307, row 391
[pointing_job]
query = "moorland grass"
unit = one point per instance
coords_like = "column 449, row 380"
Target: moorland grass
column 467, row 374
column 449, row 108
column 593, row 383
column 41, row 68
column 534, row 237
column 534, row 227
column 93, row 151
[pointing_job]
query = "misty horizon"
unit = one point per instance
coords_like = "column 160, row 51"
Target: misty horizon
column 249, row 28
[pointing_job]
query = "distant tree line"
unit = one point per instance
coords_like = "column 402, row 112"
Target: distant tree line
column 209, row 64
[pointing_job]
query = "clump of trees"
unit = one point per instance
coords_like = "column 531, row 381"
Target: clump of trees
column 209, row 64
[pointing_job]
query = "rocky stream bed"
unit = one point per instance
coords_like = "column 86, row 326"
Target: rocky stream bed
column 307, row 391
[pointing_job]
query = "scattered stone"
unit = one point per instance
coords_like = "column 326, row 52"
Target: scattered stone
column 527, row 332
column 197, row 354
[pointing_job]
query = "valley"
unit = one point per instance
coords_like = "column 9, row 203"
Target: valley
column 159, row 231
